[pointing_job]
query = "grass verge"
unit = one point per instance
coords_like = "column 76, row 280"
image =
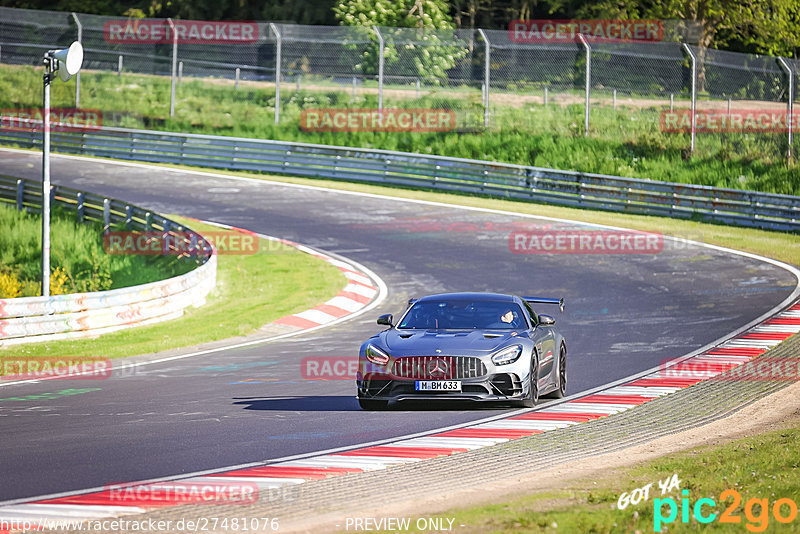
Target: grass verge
column 764, row 467
column 625, row 141
column 252, row 290
column 78, row 262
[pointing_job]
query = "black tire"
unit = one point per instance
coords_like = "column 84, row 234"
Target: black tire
column 533, row 388
column 561, row 392
column 372, row 405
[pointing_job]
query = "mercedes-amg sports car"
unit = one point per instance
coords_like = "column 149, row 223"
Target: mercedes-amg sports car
column 464, row 346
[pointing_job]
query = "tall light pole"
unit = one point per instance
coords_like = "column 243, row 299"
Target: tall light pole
column 66, row 62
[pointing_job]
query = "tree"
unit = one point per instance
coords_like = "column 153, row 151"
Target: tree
column 404, row 48
column 763, row 26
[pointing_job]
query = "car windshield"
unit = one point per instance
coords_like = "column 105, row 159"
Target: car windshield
column 463, row 314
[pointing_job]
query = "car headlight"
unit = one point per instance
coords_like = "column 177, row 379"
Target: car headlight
column 376, row 355
column 507, row 355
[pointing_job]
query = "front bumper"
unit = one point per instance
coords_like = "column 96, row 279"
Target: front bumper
column 498, row 387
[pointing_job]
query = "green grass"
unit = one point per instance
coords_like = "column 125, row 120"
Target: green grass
column 624, row 142
column 78, row 250
column 252, row 290
column 764, row 466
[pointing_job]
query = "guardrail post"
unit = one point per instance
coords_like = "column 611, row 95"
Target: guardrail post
column 119, row 66
column 588, row 81
column 486, row 71
column 236, row 83
column 278, row 42
column 546, row 90
column 148, row 221
column 20, row 194
column 174, row 67
column 381, row 45
column 693, row 62
column 128, row 217
column 106, row 215
column 180, row 72
column 78, row 75
column 789, row 119
column 80, row 207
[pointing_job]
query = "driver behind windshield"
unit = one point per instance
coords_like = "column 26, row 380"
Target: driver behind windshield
column 460, row 314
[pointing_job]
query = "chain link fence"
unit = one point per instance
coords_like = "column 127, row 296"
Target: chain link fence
column 252, row 78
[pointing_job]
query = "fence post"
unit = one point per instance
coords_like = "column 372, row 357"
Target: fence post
column 546, row 90
column 487, row 69
column 81, row 208
column 20, row 194
column 615, row 99
column 174, row 67
column 106, row 215
column 236, row 84
column 180, row 72
column 78, row 76
column 588, row 81
column 693, row 61
column 278, row 42
column 789, row 119
column 380, row 67
column 119, row 66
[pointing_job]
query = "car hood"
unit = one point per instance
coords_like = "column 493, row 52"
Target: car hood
column 450, row 342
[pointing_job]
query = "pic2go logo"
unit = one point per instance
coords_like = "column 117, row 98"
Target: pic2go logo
column 756, row 511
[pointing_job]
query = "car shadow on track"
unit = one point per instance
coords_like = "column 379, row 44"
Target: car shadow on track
column 346, row 403
column 311, row 403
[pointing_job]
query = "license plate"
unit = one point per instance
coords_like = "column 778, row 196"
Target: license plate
column 438, row 385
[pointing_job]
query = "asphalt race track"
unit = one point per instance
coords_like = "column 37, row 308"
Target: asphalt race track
column 625, row 313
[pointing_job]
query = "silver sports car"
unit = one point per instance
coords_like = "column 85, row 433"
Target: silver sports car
column 467, row 346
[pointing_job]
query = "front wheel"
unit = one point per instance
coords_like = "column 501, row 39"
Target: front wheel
column 533, row 387
column 561, row 392
column 372, row 405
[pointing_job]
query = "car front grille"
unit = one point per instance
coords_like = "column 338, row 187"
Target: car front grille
column 438, row 367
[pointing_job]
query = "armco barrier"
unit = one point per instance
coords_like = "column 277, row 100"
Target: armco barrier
column 586, row 190
column 27, row 319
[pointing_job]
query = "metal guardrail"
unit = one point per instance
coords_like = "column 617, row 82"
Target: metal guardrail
column 27, row 319
column 567, row 188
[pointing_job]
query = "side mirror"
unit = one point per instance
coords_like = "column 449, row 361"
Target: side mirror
column 546, row 320
column 385, row 319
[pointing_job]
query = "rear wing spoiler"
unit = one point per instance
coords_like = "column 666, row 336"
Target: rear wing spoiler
column 542, row 300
